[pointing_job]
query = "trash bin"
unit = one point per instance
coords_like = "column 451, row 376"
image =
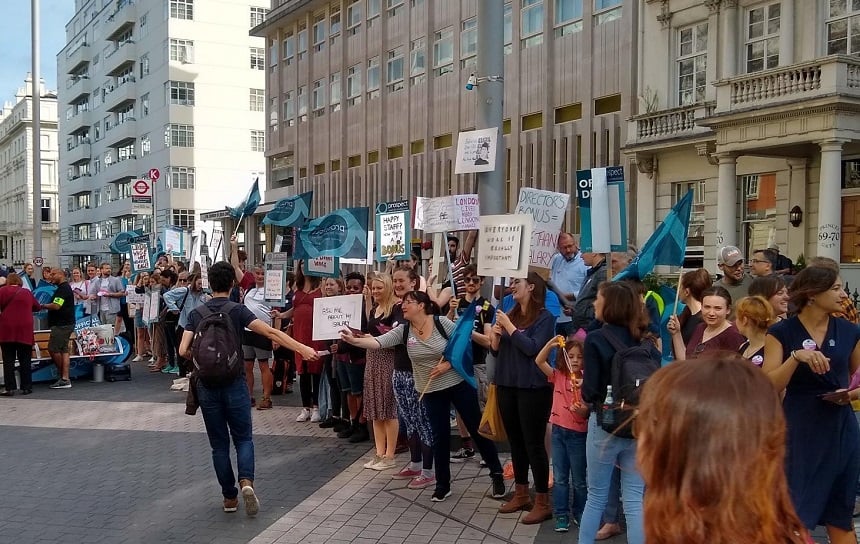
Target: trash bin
column 98, row 372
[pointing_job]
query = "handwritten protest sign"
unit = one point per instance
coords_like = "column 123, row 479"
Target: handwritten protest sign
column 325, row 267
column 476, row 151
column 392, row 230
column 132, row 297
column 204, row 274
column 547, row 210
column 333, row 314
column 173, row 239
column 140, row 260
column 501, row 248
column 273, row 284
column 447, row 213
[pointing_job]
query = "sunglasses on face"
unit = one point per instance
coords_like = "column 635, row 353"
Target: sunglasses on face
column 472, row 280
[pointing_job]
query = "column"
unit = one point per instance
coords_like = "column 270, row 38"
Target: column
column 727, row 200
column 796, row 238
column 729, row 39
column 786, row 33
column 829, row 227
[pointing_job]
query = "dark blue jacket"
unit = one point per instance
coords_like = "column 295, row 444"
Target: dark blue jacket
column 597, row 355
column 515, row 359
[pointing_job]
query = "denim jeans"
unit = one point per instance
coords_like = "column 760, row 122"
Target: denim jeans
column 227, row 414
column 465, row 400
column 603, row 452
column 568, row 469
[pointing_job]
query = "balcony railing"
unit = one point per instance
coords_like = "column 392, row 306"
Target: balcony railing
column 671, row 123
column 832, row 75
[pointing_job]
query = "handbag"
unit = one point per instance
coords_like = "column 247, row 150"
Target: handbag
column 491, row 420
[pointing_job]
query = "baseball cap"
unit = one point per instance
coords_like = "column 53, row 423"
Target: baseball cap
column 729, row 255
column 773, row 247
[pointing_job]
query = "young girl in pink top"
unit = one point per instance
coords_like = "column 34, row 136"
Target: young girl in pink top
column 569, row 424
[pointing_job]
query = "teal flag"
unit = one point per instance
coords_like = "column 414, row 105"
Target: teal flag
column 291, row 211
column 342, row 233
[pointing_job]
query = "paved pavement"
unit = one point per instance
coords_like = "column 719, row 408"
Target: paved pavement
column 121, row 463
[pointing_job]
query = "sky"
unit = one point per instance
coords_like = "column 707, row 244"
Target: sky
column 15, row 42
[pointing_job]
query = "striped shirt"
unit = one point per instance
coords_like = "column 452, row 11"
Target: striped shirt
column 425, row 354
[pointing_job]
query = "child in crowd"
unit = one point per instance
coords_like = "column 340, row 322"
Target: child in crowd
column 569, row 418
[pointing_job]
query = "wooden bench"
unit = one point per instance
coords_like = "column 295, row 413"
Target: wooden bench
column 40, row 348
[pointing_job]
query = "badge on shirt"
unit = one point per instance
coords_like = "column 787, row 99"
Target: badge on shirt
column 809, row 344
column 411, row 341
column 757, row 360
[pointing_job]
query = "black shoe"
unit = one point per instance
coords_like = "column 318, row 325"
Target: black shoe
column 27, row 392
column 327, row 423
column 340, row 425
column 499, row 487
column 360, row 434
column 8, row 393
column 440, row 495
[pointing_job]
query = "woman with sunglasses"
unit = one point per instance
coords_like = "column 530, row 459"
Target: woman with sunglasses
column 715, row 333
column 440, row 385
column 524, row 394
column 812, row 356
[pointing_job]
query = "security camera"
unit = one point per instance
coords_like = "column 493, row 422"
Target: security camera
column 472, row 82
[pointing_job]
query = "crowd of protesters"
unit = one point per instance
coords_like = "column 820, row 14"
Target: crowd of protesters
column 553, row 340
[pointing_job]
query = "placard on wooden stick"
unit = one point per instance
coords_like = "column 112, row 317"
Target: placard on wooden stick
column 503, row 245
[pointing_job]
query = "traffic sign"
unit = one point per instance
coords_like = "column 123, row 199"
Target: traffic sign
column 141, row 187
column 38, row 261
column 141, row 197
column 154, row 174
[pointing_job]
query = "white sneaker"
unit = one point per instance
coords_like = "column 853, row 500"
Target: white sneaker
column 180, row 381
column 315, row 415
column 304, row 415
column 137, row 359
column 373, row 461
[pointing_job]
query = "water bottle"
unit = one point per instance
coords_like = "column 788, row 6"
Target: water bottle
column 608, row 412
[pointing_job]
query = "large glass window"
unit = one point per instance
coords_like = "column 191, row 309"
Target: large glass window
column 302, row 38
column 303, row 103
column 258, row 141
column 318, row 101
column 289, row 46
column 258, row 15
column 257, row 99
column 762, row 37
column 568, row 17
column 335, row 92
column 290, row 108
column 182, row 9
column 373, row 77
column 182, row 177
column 182, row 218
column 443, row 51
column 468, row 42
column 258, row 58
column 394, row 70
column 692, row 63
column 181, row 93
column 417, row 61
column 181, row 135
column 509, row 28
column 373, row 7
column 353, row 84
column 843, row 27
column 319, row 32
column 182, row 50
column 696, row 232
column 353, row 17
column 606, row 10
column 531, row 23
column 758, row 203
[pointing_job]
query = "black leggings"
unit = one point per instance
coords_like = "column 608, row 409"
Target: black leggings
column 338, row 406
column 23, row 352
column 525, row 413
column 309, row 386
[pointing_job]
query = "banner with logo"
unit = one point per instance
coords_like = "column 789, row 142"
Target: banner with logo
column 342, row 233
column 290, row 212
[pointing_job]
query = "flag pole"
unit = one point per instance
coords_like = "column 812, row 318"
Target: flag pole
column 238, row 224
column 427, row 386
column 608, row 258
column 678, row 292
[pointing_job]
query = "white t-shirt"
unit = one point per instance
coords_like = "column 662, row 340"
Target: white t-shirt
column 254, row 301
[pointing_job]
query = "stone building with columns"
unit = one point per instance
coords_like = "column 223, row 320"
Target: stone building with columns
column 755, row 105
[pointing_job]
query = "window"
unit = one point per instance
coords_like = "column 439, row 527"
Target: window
column 182, row 9
column 373, row 7
column 303, row 103
column 258, row 58
column 843, row 27
column 696, row 232
column 443, row 51
column 758, row 209
column 508, row 29
column 417, row 61
column 353, row 85
column 302, row 38
column 468, row 42
column 97, row 130
column 607, row 10
column 258, row 99
column 182, row 177
column 335, row 92
column 394, row 70
column 145, row 145
column 318, row 97
column 353, row 17
column 46, row 210
column 568, row 16
column 334, row 25
column 762, row 37
column 531, row 23
column 258, row 141
column 258, row 15
column 318, row 31
column 750, row 187
column 273, row 113
column 394, row 6
column 290, row 108
column 181, row 93
column 144, row 105
column 144, row 66
column 373, row 77
column 182, row 50
column 692, row 63
column 182, row 218
column 181, row 135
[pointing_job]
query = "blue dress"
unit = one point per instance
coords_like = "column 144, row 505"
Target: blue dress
column 823, row 444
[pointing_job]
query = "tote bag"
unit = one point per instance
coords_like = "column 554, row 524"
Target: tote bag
column 491, row 421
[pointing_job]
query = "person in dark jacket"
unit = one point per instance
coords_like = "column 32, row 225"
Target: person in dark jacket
column 583, row 309
column 524, row 394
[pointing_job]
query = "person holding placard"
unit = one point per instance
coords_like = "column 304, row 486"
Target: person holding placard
column 440, row 385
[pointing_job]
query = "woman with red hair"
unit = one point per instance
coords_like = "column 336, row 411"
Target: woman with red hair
column 712, row 457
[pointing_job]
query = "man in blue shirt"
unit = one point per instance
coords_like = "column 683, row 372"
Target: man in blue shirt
column 567, row 272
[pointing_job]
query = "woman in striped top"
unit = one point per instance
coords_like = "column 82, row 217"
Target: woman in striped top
column 439, row 384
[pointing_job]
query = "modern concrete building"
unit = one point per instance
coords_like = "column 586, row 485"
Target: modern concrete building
column 753, row 104
column 16, row 176
column 365, row 98
column 175, row 85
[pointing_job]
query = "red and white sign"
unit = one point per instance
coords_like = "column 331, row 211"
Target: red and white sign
column 141, row 197
column 154, row 174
